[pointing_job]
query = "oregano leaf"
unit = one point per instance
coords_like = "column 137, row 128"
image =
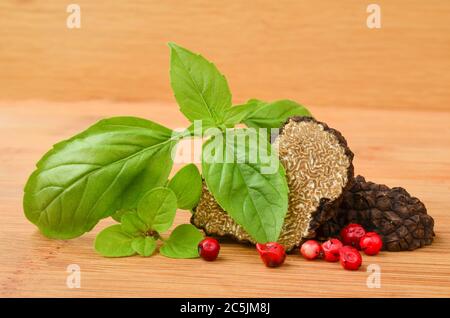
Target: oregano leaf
column 144, row 246
column 157, row 209
column 187, row 186
column 113, row 242
column 132, row 224
column 117, row 216
column 182, row 243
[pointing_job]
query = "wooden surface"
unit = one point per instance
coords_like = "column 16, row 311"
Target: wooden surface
column 407, row 148
column 319, row 53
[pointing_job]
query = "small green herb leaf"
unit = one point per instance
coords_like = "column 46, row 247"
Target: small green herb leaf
column 157, row 209
column 144, row 246
column 273, row 114
column 200, row 90
column 113, row 242
column 187, row 186
column 117, row 216
column 132, row 224
column 182, row 243
column 248, row 181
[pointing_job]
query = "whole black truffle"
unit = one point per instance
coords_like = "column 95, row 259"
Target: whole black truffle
column 400, row 219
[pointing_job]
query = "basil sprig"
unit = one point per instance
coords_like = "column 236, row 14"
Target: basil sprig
column 120, row 166
column 140, row 230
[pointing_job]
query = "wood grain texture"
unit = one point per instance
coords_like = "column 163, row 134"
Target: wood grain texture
column 411, row 149
column 317, row 52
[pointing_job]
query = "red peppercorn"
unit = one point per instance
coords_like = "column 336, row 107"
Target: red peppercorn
column 350, row 258
column 272, row 253
column 371, row 243
column 352, row 234
column 208, row 249
column 331, row 250
column 311, row 250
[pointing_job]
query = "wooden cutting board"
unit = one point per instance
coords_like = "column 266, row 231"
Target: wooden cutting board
column 399, row 148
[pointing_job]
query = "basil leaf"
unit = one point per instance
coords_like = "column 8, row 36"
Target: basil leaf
column 237, row 114
column 273, row 114
column 144, row 246
column 252, row 187
column 112, row 242
column 200, row 90
column 107, row 167
column 187, row 186
column 157, row 209
column 132, row 224
column 182, row 243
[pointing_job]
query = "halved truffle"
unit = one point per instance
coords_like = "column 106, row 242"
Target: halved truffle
column 319, row 170
column 211, row 218
column 400, row 219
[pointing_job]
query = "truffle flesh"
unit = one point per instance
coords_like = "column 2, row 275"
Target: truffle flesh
column 319, row 170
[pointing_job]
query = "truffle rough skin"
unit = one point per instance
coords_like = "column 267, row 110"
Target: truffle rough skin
column 400, row 219
column 319, row 170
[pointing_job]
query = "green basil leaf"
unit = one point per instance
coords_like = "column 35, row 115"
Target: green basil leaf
column 187, row 186
column 200, row 90
column 132, row 224
column 112, row 242
column 144, row 246
column 107, row 167
column 273, row 114
column 182, row 243
column 237, row 114
column 252, row 187
column 157, row 209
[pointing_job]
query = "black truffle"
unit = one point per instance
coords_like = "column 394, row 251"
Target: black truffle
column 400, row 219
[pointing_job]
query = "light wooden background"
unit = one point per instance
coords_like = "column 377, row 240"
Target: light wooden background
column 387, row 91
column 317, row 52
